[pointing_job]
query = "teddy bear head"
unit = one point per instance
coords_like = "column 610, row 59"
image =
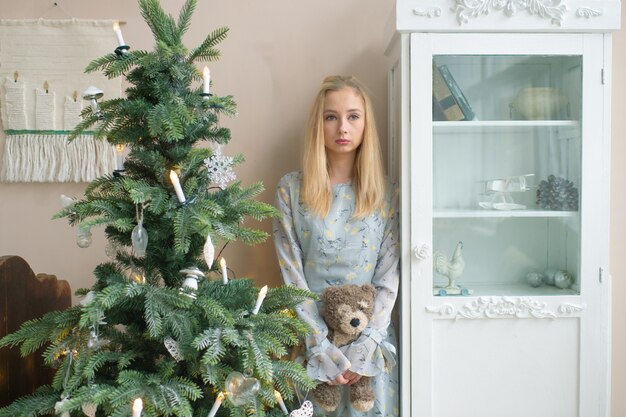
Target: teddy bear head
column 349, row 308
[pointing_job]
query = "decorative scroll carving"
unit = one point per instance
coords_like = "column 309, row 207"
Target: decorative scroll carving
column 588, row 12
column 570, row 308
column 503, row 307
column 548, row 9
column 444, row 310
column 430, row 12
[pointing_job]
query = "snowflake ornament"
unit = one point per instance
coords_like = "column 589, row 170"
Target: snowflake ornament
column 220, row 168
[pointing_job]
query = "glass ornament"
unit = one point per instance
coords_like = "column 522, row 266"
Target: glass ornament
column 241, row 389
column 93, row 342
column 83, row 238
column 139, row 238
column 136, row 275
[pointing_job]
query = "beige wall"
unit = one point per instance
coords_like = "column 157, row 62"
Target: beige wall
column 277, row 53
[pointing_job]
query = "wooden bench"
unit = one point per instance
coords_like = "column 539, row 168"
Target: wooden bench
column 25, row 296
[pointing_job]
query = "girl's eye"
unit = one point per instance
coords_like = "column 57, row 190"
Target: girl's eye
column 330, row 117
column 354, row 117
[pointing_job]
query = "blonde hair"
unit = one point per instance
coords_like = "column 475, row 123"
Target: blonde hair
column 368, row 176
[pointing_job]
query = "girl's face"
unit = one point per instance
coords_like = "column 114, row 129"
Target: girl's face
column 344, row 121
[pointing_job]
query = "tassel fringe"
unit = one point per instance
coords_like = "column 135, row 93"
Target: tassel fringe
column 52, row 158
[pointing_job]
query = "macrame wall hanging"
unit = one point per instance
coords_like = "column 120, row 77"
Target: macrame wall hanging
column 42, row 78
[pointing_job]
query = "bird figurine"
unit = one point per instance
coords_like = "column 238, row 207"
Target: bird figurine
column 450, row 268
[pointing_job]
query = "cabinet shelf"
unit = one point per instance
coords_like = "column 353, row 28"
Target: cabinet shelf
column 457, row 214
column 502, row 125
column 511, row 290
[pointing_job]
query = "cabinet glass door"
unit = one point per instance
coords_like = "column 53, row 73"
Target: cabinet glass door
column 506, row 142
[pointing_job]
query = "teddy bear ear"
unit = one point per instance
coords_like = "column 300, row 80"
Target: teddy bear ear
column 328, row 293
column 370, row 290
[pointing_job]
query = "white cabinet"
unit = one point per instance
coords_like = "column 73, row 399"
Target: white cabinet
column 515, row 320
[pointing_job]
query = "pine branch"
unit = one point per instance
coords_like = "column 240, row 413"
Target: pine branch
column 206, row 52
column 41, row 402
column 184, row 18
column 162, row 26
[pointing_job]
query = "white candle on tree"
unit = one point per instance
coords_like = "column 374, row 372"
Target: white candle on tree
column 177, row 187
column 118, row 33
column 260, row 299
column 206, row 75
column 281, row 403
column 137, row 407
column 216, row 404
column 119, row 157
column 224, row 271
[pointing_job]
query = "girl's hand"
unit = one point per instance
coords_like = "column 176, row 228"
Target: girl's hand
column 340, row 380
column 351, row 377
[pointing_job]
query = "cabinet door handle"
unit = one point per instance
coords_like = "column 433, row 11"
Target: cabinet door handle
column 422, row 251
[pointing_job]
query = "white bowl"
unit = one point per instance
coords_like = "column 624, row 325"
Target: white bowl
column 540, row 103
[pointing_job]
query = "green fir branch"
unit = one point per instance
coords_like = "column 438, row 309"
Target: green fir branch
column 206, row 52
column 184, row 17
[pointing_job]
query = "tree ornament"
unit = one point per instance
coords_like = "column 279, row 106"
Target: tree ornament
column 66, row 201
column 92, row 94
column 89, row 409
column 209, row 251
column 83, row 237
column 305, row 411
column 220, row 168
column 89, row 297
column 93, row 342
column 139, row 236
column 173, row 348
column 192, row 275
column 241, row 389
column 59, row 405
column 136, row 275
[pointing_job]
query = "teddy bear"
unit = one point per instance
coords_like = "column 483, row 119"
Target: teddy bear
column 349, row 309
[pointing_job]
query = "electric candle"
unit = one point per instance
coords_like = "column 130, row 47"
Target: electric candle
column 119, row 157
column 216, row 404
column 206, row 75
column 137, row 407
column 281, row 403
column 260, row 299
column 177, row 187
column 224, row 271
column 118, row 33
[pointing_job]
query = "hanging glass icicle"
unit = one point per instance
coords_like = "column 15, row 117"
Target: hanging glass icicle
column 139, row 235
column 209, row 251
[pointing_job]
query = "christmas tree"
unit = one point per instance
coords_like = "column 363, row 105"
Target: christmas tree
column 155, row 335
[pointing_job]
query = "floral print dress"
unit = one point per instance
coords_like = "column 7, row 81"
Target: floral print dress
column 315, row 253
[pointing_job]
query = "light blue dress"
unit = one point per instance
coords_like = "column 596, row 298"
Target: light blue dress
column 315, row 253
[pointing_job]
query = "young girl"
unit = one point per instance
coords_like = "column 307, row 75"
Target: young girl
column 339, row 225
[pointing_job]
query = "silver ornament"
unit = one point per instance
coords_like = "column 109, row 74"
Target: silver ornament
column 173, row 348
column 562, row 279
column 535, row 279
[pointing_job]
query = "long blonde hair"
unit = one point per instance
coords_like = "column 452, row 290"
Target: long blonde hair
column 368, row 176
